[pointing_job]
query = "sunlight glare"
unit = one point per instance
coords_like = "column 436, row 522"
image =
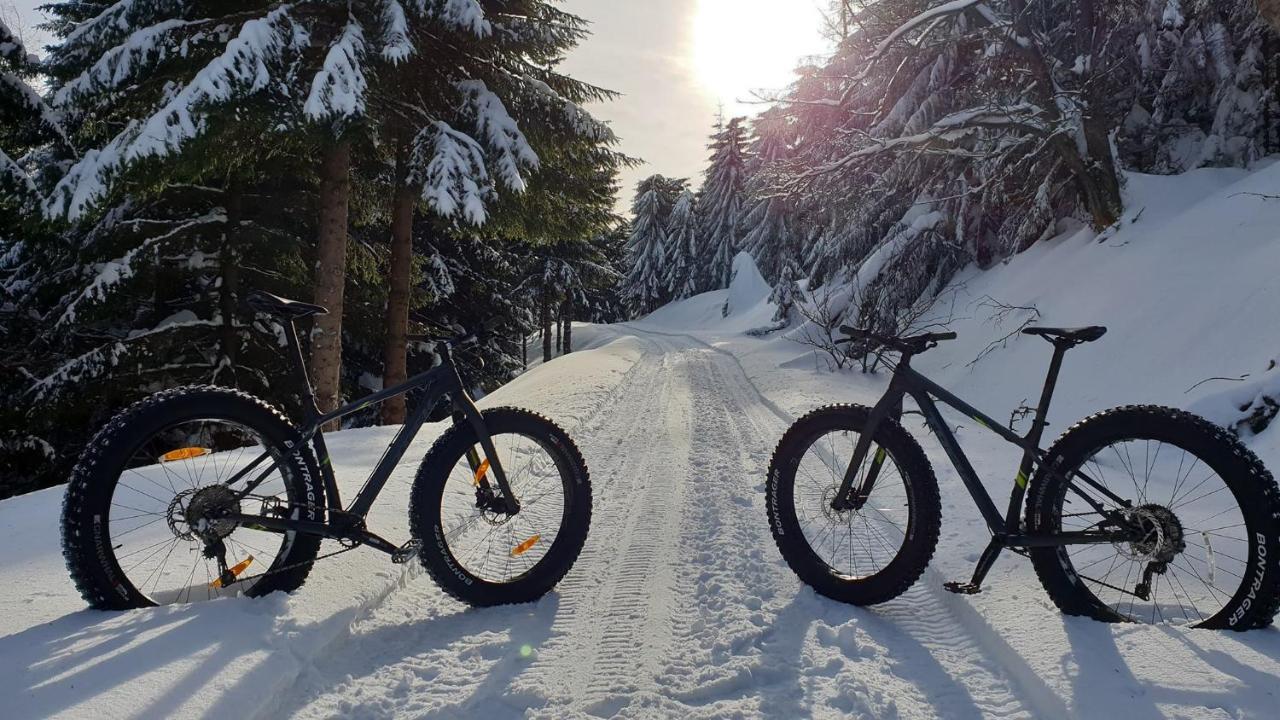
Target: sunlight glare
column 746, row 45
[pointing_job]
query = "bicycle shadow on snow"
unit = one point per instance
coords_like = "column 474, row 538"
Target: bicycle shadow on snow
column 791, row 679
column 396, row 653
column 1135, row 669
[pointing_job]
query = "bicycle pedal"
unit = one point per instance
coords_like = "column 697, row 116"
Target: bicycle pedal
column 962, row 588
column 407, row 552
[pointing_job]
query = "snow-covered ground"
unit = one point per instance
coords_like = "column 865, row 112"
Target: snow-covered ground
column 680, row 606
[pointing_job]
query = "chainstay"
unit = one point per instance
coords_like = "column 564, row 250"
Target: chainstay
column 292, row 566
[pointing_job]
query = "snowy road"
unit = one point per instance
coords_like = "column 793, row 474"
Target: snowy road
column 679, row 606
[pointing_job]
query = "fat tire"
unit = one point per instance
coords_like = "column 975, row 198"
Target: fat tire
column 85, row 544
column 922, row 487
column 425, row 520
column 1255, row 603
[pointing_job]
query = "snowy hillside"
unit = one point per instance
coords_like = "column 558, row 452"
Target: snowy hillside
column 680, row 605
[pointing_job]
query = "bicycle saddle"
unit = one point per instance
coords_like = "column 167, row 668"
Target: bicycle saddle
column 1072, row 335
column 282, row 307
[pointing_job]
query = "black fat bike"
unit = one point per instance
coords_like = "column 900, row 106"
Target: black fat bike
column 203, row 492
column 1138, row 513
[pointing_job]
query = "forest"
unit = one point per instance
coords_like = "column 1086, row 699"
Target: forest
column 940, row 135
column 415, row 166
column 423, row 165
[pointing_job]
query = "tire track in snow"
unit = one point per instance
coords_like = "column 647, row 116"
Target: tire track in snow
column 921, row 625
column 616, row 600
column 313, row 669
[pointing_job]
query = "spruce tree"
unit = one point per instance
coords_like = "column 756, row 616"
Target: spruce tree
column 721, row 203
column 681, row 264
column 476, row 108
column 786, row 293
column 647, row 250
column 767, row 223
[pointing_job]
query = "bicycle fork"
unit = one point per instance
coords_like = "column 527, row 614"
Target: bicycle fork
column 852, row 495
column 465, row 410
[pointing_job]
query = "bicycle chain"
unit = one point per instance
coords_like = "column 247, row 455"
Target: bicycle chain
column 312, row 561
column 292, row 566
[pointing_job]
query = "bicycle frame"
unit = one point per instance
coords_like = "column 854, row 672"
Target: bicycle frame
column 347, row 524
column 1006, row 529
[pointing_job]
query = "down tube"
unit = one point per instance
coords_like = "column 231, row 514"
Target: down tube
column 961, row 462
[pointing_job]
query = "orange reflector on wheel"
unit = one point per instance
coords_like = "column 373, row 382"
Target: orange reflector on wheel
column 524, row 547
column 184, row 454
column 480, row 471
column 235, row 571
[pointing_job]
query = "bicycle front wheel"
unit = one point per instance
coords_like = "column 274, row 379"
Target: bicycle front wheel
column 863, row 556
column 1202, row 510
column 475, row 550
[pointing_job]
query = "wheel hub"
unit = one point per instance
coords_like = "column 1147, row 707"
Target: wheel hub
column 491, row 507
column 1160, row 535
column 200, row 512
column 828, row 506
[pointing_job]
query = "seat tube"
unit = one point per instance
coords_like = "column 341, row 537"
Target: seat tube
column 1034, row 436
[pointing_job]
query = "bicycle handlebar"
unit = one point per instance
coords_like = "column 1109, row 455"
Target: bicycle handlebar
column 908, row 345
column 486, row 331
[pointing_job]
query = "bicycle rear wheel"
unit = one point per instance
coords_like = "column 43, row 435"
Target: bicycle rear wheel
column 1207, row 554
column 142, row 505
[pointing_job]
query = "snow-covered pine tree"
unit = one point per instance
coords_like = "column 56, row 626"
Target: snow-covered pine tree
column 30, row 131
column 767, row 223
column 27, row 124
column 681, row 264
column 645, row 286
column 1207, row 93
column 604, row 303
column 473, row 108
column 786, row 293
column 720, row 203
column 953, row 108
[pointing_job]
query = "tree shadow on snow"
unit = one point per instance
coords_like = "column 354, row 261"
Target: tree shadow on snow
column 73, row 660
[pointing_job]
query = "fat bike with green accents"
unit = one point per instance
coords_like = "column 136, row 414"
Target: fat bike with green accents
column 203, row 492
column 1136, row 514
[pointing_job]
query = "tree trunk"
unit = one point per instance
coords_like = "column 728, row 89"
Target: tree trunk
column 1270, row 11
column 546, row 324
column 559, row 333
column 568, row 326
column 395, row 362
column 524, row 349
column 331, row 274
column 229, row 291
column 1100, row 178
column 1095, row 172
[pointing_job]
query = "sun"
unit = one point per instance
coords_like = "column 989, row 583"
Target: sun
column 745, row 45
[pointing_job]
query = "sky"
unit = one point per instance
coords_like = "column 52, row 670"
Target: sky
column 675, row 63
